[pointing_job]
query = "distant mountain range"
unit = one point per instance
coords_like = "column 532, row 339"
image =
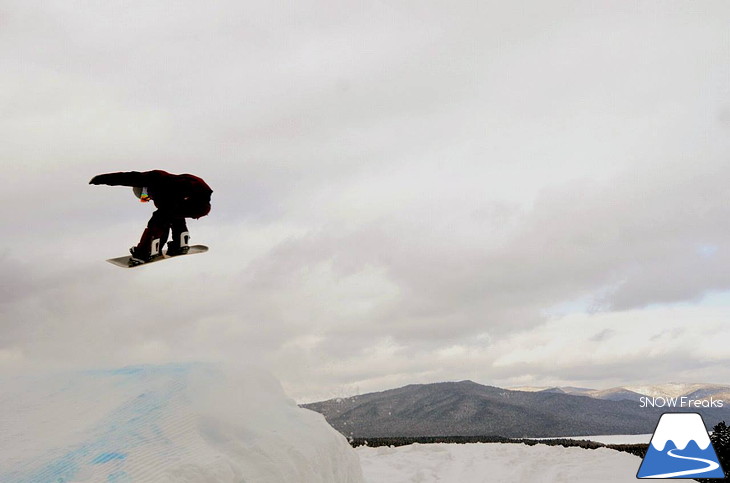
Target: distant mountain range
column 635, row 393
column 469, row 409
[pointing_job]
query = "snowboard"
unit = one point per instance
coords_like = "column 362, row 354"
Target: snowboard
column 124, row 261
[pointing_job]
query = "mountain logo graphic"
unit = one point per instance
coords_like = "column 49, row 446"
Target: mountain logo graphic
column 680, row 448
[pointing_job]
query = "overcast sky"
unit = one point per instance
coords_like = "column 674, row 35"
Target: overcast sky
column 517, row 193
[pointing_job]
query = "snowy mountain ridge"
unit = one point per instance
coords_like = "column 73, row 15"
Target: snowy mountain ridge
column 634, row 392
column 466, row 408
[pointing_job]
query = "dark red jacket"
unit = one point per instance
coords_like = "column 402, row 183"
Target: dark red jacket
column 183, row 195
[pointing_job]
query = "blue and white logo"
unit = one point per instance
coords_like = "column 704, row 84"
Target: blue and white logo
column 680, row 448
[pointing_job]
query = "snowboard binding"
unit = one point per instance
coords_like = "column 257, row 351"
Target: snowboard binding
column 138, row 257
column 179, row 246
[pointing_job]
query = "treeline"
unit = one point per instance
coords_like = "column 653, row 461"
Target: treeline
column 635, row 449
column 720, row 438
column 403, row 441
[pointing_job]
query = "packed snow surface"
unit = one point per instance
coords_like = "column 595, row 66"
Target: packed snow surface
column 174, row 423
column 495, row 463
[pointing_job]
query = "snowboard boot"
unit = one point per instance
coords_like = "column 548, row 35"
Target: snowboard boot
column 179, row 245
column 140, row 256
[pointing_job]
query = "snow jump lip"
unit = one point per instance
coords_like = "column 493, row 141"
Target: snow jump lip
column 181, row 422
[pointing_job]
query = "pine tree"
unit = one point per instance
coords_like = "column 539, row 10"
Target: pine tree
column 721, row 442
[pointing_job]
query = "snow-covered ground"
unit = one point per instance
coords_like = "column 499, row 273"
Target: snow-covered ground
column 174, row 423
column 201, row 423
column 495, row 462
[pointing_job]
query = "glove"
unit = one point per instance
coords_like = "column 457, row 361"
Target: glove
column 98, row 179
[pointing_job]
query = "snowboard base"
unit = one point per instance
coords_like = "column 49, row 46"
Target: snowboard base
column 124, row 261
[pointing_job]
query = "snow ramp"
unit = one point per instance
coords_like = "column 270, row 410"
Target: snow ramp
column 170, row 423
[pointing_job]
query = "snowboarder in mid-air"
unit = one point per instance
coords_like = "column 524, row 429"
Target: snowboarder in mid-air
column 176, row 196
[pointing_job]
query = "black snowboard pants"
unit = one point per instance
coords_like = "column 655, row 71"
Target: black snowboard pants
column 170, row 215
column 158, row 230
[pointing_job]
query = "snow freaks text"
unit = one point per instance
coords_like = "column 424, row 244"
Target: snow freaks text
column 679, row 402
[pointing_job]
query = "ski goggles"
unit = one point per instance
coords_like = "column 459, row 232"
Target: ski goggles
column 144, row 197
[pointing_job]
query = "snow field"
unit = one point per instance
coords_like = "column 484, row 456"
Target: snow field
column 494, row 463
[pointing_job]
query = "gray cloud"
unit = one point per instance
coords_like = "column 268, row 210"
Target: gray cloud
column 392, row 182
